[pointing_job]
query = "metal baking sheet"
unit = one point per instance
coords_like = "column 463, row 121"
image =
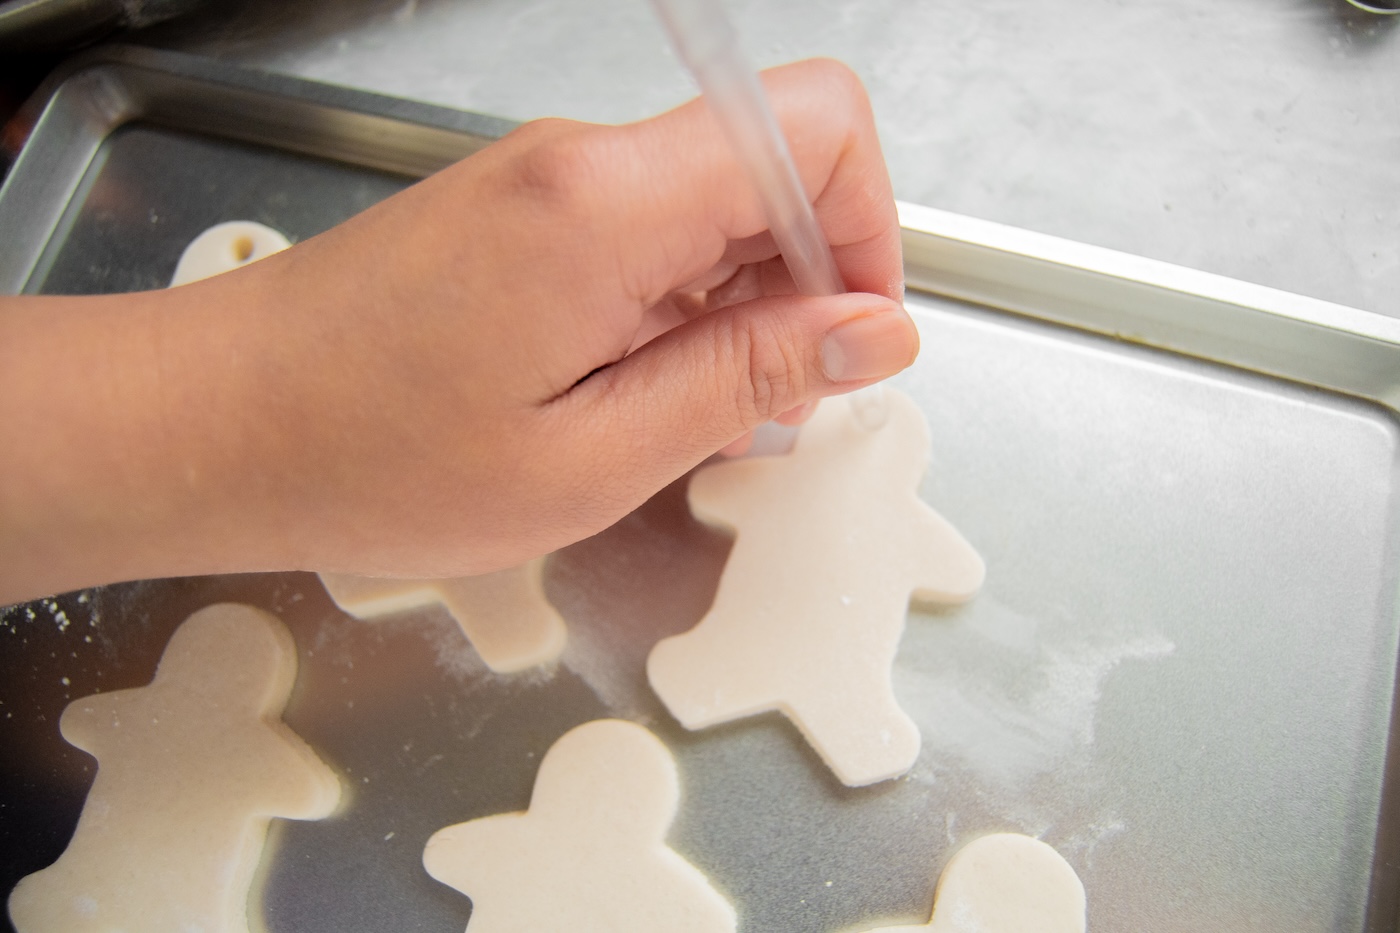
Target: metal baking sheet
column 1180, row 674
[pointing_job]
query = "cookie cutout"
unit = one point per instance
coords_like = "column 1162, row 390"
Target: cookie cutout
column 1005, row 883
column 191, row 771
column 831, row 542
column 225, row 247
column 590, row 855
column 505, row 615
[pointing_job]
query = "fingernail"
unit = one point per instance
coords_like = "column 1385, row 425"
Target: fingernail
column 869, row 347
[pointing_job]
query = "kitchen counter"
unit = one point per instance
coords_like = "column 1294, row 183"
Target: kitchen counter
column 1258, row 139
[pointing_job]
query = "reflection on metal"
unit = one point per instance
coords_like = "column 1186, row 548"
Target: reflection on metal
column 48, row 25
column 1384, row 7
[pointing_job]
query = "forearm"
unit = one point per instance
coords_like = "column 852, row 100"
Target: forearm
column 123, row 421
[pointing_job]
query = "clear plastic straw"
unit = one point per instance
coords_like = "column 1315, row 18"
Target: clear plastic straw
column 709, row 46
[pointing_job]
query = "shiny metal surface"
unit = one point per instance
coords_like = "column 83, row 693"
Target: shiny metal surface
column 1153, row 303
column 1383, row 7
column 45, row 24
column 30, row 26
column 393, row 136
column 1256, row 139
column 1180, row 674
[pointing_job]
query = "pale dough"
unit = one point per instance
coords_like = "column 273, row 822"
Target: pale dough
column 505, row 615
column 1005, row 883
column 191, row 770
column 225, row 247
column 831, row 541
column 590, row 855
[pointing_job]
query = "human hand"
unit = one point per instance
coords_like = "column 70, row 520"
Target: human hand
column 508, row 356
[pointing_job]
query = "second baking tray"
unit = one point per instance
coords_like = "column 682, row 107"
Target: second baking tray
column 1181, row 672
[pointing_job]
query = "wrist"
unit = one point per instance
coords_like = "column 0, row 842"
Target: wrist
column 128, row 441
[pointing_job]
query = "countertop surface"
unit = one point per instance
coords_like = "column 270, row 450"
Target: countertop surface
column 1258, row 139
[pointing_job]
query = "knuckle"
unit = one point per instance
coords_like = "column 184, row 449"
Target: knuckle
column 558, row 166
column 838, row 85
column 841, row 77
column 770, row 374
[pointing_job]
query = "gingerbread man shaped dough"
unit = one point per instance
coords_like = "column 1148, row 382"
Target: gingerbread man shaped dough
column 831, row 542
column 505, row 615
column 589, row 856
column 191, row 771
column 1005, row 883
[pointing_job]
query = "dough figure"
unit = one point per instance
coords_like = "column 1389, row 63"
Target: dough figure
column 1005, row 883
column 505, row 615
column 831, row 541
column 590, row 854
column 191, row 770
column 225, row 247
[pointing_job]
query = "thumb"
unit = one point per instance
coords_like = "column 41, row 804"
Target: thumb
column 697, row 387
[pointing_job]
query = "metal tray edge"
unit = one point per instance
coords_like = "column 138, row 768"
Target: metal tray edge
column 1155, row 303
column 96, row 93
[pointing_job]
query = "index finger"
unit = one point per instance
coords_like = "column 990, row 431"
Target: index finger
column 688, row 201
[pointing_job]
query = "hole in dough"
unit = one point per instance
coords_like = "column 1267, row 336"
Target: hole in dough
column 243, row 249
column 225, row 247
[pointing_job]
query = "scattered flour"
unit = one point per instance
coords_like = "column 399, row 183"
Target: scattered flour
column 1005, row 697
